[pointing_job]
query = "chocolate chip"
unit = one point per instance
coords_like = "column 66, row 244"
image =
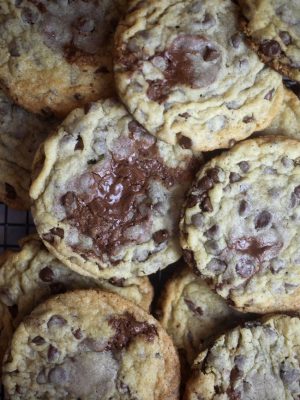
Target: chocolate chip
column 68, row 199
column 210, row 54
column 287, row 162
column 285, row 37
column 297, row 191
column 214, row 174
column 117, row 281
column 197, row 220
column 213, row 231
column 293, row 201
column 160, row 236
column 212, row 247
column 243, row 208
column 193, row 307
column 29, row 16
column 41, row 379
column 191, row 200
column 53, row 353
column 38, row 340
column 79, row 143
column 46, row 274
column 244, row 166
column 158, row 90
column 10, row 191
column 245, row 267
column 216, row 266
column 248, row 118
column 263, row 219
column 184, row 115
column 270, row 48
column 184, row 141
column 204, row 184
column 58, row 232
column 269, row 95
column 234, row 177
column 77, row 333
column 188, row 256
column 208, row 21
column 236, row 40
column 206, row 205
column 57, row 375
column 56, row 321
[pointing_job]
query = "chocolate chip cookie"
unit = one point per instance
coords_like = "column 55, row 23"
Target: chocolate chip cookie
column 241, row 224
column 273, row 28
column 90, row 345
column 108, row 195
column 185, row 72
column 20, row 135
column 192, row 314
column 287, row 121
column 257, row 361
column 31, row 275
column 57, row 55
column 6, row 330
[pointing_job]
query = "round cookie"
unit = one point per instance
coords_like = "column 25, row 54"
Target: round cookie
column 57, row 55
column 20, row 135
column 241, row 224
column 107, row 195
column 192, row 314
column 30, row 276
column 273, row 28
column 186, row 74
column 6, row 330
column 257, row 361
column 287, row 121
column 91, row 345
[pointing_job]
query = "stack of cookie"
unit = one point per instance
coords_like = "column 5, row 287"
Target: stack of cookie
column 119, row 129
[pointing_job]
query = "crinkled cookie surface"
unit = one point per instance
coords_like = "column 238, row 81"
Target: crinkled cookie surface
column 186, row 74
column 90, row 345
column 241, row 224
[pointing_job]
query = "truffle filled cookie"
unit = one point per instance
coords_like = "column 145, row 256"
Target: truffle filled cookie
column 30, row 276
column 192, row 314
column 108, row 194
column 91, row 345
column 287, row 121
column 185, row 73
column 257, row 361
column 20, row 135
column 56, row 55
column 241, row 224
column 273, row 27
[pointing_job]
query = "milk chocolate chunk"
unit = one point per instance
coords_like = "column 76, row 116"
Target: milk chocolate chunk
column 270, row 48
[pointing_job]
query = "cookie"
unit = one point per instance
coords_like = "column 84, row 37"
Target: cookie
column 257, row 361
column 192, row 314
column 20, row 135
column 186, row 74
column 57, row 55
column 30, row 276
column 241, row 224
column 107, row 194
column 287, row 121
column 273, row 30
column 91, row 345
column 6, row 330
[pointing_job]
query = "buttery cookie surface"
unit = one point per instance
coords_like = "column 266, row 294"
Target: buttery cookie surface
column 20, row 135
column 192, row 314
column 257, row 361
column 91, row 345
column 287, row 121
column 107, row 195
column 273, row 27
column 186, row 74
column 241, row 224
column 30, row 276
column 56, row 55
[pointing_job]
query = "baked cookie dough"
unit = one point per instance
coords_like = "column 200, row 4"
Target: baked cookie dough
column 30, row 276
column 20, row 135
column 185, row 72
column 57, row 55
column 193, row 315
column 241, row 225
column 257, row 361
column 90, row 345
column 287, row 121
column 6, row 331
column 107, row 196
column 273, row 27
